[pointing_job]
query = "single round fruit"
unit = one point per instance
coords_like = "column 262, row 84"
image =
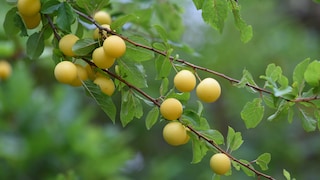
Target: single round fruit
column 102, row 17
column 96, row 32
column 220, row 163
column 101, row 59
column 65, row 72
column 208, row 90
column 31, row 22
column 185, row 81
column 171, row 109
column 5, row 69
column 114, row 46
column 66, row 43
column 175, row 134
column 106, row 85
column 29, row 7
column 82, row 75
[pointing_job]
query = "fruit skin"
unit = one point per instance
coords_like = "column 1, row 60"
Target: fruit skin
column 114, row 46
column 65, row 72
column 106, row 84
column 31, row 22
column 175, row 134
column 208, row 90
column 101, row 59
column 171, row 109
column 82, row 75
column 185, row 81
column 66, row 43
column 102, row 17
column 220, row 163
column 96, row 33
column 5, row 70
column 29, row 7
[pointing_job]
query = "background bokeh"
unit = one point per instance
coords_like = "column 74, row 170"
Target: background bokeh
column 53, row 131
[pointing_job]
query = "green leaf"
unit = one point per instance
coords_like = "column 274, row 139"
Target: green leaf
column 84, row 47
column 198, row 3
column 35, row 45
column 307, row 116
column 163, row 67
column 312, row 73
column 245, row 30
column 215, row 12
column 138, row 54
column 162, row 33
column 263, row 160
column 65, row 17
column 282, row 109
column 246, row 79
column 130, row 108
column 286, row 174
column 164, row 86
column 11, row 24
column 234, row 139
column 214, row 135
column 122, row 20
column 92, row 5
column 49, row 7
column 199, row 150
column 189, row 116
column 133, row 73
column 298, row 75
column 246, row 170
column 152, row 117
column 104, row 101
column 252, row 113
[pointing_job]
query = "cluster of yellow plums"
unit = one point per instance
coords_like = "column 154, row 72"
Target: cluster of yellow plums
column 5, row 70
column 103, row 57
column 29, row 11
column 174, row 132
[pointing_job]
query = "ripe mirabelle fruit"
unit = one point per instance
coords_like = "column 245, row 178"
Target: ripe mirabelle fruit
column 66, row 43
column 220, row 163
column 106, row 84
column 31, row 22
column 184, row 81
column 208, row 90
column 171, row 109
column 102, row 17
column 101, row 59
column 29, row 7
column 65, row 72
column 82, row 75
column 96, row 33
column 175, row 134
column 5, row 70
column 114, row 46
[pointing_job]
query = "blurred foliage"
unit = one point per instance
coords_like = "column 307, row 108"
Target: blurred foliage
column 50, row 131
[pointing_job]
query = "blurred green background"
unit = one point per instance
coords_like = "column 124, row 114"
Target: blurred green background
column 53, row 131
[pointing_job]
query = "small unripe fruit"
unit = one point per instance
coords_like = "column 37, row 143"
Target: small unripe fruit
column 114, row 46
column 106, row 85
column 184, row 81
column 102, row 17
column 175, row 134
column 208, row 90
column 65, row 72
column 29, row 7
column 82, row 75
column 101, row 59
column 220, row 163
column 66, row 43
column 31, row 22
column 171, row 109
column 5, row 69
